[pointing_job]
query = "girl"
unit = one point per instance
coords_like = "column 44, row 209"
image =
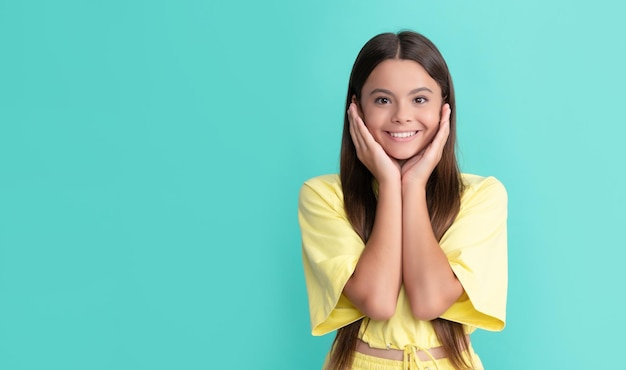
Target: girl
column 403, row 255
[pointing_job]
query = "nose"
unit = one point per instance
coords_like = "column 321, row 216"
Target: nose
column 402, row 113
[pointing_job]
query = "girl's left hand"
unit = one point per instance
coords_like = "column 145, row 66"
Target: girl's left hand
column 417, row 169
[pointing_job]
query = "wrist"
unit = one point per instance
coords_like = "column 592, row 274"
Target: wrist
column 390, row 178
column 413, row 188
column 390, row 183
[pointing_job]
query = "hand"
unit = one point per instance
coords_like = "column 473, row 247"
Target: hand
column 369, row 152
column 418, row 168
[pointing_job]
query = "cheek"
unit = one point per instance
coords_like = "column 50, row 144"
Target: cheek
column 431, row 120
column 432, row 116
column 430, row 135
column 374, row 116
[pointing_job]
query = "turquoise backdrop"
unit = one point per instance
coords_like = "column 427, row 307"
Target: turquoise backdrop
column 151, row 154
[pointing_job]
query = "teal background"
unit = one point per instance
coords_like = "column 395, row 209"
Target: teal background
column 151, row 154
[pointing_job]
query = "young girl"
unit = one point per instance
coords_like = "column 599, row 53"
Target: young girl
column 403, row 255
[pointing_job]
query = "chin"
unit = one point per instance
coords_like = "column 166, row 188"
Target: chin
column 401, row 156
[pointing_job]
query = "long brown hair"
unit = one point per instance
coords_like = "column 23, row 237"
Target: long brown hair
column 443, row 190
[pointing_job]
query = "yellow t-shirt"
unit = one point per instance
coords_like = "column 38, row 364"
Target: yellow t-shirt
column 475, row 244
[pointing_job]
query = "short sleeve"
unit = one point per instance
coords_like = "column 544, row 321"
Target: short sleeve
column 476, row 247
column 330, row 251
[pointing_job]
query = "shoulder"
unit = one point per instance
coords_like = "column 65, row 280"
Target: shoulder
column 475, row 185
column 483, row 192
column 326, row 188
column 330, row 181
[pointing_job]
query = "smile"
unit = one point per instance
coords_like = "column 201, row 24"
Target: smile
column 403, row 134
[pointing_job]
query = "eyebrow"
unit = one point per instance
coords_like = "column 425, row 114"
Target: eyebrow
column 414, row 91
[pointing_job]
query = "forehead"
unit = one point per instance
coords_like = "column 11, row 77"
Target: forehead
column 400, row 75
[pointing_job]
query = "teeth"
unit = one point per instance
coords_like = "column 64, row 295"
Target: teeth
column 402, row 134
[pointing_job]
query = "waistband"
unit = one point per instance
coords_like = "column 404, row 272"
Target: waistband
column 435, row 353
column 410, row 355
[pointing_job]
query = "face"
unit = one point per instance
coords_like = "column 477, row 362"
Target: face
column 401, row 106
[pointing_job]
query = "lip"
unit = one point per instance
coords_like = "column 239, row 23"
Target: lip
column 404, row 138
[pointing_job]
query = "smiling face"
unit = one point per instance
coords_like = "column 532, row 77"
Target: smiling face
column 401, row 106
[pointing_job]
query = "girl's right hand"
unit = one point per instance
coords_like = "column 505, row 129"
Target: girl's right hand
column 369, row 152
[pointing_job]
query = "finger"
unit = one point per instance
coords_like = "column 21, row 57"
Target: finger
column 446, row 111
column 434, row 150
column 355, row 132
column 365, row 137
column 439, row 142
column 444, row 128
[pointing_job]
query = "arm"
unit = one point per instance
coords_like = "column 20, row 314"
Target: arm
column 476, row 247
column 429, row 281
column 330, row 252
column 375, row 284
column 430, row 284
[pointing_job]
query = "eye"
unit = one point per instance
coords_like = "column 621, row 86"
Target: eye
column 382, row 100
column 420, row 100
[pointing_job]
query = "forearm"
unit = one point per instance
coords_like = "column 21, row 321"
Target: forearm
column 375, row 284
column 429, row 281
